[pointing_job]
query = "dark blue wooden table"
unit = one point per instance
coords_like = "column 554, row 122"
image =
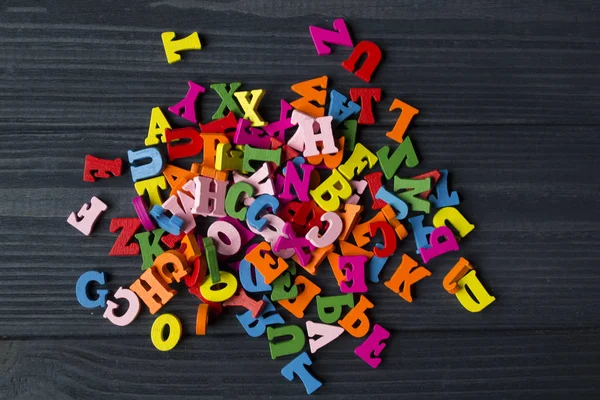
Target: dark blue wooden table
column 509, row 98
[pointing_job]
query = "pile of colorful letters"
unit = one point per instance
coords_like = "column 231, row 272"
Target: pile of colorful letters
column 281, row 197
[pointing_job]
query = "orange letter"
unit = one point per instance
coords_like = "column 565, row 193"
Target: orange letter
column 307, row 90
column 407, row 114
column 180, row 266
column 357, row 314
column 264, row 263
column 459, row 270
column 307, row 291
column 405, row 276
column 149, row 286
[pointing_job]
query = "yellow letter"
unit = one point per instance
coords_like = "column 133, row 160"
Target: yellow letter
column 480, row 298
column 337, row 187
column 172, row 47
column 156, row 334
column 357, row 162
column 151, row 186
column 156, row 129
column 456, row 219
column 249, row 102
column 215, row 291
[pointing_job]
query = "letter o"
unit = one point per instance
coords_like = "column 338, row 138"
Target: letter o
column 221, row 294
column 158, row 327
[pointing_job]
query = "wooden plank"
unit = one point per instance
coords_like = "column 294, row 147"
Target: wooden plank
column 470, row 365
column 483, row 68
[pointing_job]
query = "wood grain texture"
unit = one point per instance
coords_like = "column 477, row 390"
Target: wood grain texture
column 537, row 365
column 509, row 98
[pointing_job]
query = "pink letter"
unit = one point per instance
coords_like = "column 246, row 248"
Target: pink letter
column 373, row 344
column 186, row 108
column 209, row 197
column 292, row 179
column 340, row 36
column 354, row 271
column 87, row 216
column 334, row 229
column 325, row 136
column 132, row 311
column 437, row 247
